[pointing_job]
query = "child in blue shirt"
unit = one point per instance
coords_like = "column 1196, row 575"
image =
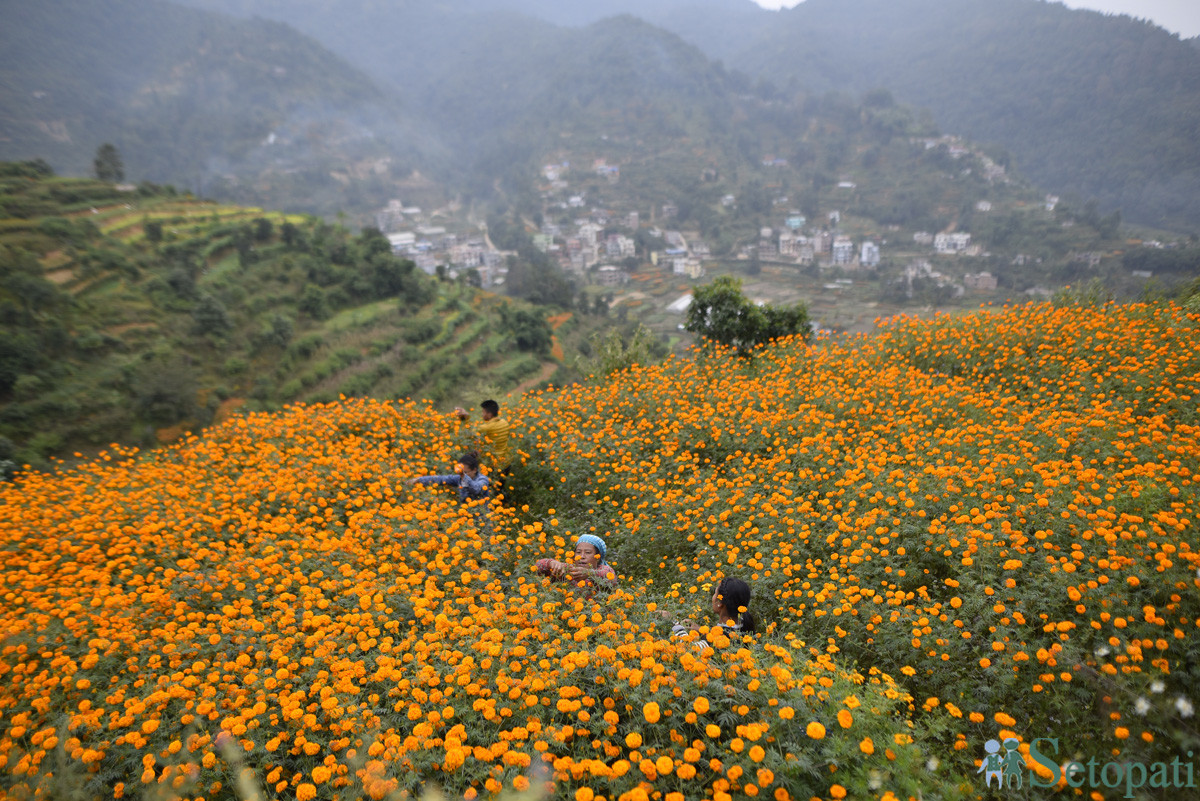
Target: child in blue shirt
column 471, row 484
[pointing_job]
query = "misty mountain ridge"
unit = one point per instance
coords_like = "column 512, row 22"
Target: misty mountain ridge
column 244, row 109
column 1096, row 106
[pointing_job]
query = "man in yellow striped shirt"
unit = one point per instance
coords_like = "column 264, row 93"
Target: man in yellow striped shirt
column 494, row 429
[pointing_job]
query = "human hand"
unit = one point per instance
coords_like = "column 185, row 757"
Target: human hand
column 461, row 413
column 578, row 572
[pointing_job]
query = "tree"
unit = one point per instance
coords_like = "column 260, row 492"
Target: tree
column 210, row 318
column 721, row 314
column 107, row 164
column 313, row 302
column 612, row 352
column 528, row 329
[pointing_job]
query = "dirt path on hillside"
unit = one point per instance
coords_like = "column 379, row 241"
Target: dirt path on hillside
column 531, row 382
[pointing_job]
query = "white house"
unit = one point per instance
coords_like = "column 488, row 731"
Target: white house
column 869, row 254
column 843, row 250
column 951, row 243
column 689, row 267
column 609, row 275
column 402, row 241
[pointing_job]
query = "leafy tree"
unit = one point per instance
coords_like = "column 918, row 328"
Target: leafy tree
column 154, row 231
column 210, row 317
column 38, row 168
column 612, row 352
column 165, row 392
column 313, row 302
column 262, row 229
column 721, row 314
column 107, row 164
column 290, row 234
column 529, row 330
column 278, row 331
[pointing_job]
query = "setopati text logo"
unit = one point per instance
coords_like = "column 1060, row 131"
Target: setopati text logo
column 1004, row 765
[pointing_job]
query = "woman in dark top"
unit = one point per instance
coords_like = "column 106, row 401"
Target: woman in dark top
column 729, row 605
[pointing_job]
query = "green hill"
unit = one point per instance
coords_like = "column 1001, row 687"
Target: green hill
column 129, row 316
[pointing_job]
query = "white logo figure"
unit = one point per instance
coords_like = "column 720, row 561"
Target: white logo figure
column 993, row 763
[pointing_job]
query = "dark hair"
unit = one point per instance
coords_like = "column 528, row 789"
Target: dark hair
column 490, row 406
column 735, row 593
column 470, row 459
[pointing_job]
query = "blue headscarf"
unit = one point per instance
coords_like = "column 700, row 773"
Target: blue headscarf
column 595, row 542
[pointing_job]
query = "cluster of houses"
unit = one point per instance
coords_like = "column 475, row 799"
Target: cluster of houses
column 832, row 249
column 599, row 241
column 582, row 247
column 829, row 248
column 592, row 243
column 429, row 246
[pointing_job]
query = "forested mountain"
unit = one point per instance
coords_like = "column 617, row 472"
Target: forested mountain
column 247, row 109
column 1104, row 108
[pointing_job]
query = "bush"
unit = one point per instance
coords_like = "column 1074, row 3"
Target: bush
column 721, row 314
column 165, row 392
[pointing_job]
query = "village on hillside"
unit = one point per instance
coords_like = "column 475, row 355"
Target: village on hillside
column 603, row 236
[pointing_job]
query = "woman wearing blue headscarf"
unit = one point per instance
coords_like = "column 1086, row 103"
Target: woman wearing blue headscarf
column 588, row 571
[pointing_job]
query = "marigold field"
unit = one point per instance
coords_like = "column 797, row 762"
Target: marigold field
column 957, row 530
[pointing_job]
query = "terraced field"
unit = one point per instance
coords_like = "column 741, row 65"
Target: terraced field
column 134, row 317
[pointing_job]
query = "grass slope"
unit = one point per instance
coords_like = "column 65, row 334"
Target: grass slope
column 131, row 317
column 957, row 530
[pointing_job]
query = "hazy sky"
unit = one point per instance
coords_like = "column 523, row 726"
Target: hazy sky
column 1178, row 16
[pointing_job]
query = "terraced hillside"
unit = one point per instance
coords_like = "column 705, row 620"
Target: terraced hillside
column 133, row 314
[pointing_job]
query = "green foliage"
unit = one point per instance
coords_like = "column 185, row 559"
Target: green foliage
column 1094, row 293
column 529, row 330
column 109, row 351
column 721, row 314
column 37, row 168
column 1184, row 261
column 313, row 302
column 210, row 317
column 107, row 166
column 612, row 352
column 164, row 392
